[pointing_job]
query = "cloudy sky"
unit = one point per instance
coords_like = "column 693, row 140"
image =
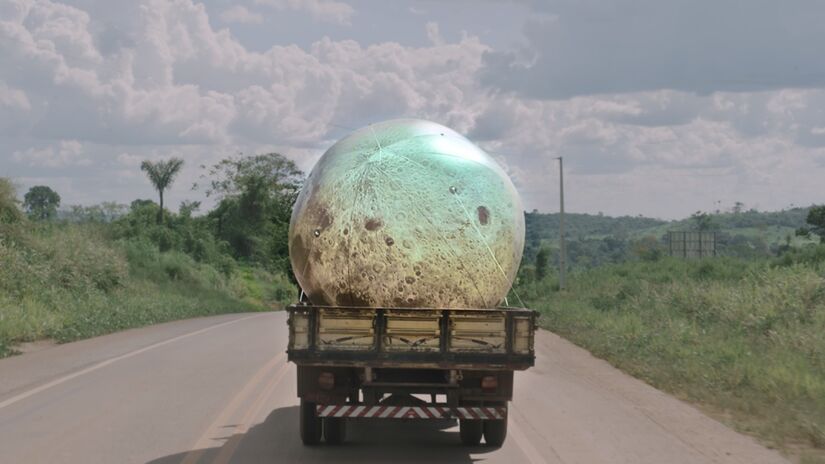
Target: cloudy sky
column 659, row 108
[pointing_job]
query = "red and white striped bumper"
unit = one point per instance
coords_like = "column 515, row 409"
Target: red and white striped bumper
column 411, row 412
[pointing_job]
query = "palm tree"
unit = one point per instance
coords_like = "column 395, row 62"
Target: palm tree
column 162, row 174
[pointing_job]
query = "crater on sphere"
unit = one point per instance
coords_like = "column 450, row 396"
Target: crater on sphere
column 373, row 224
column 401, row 214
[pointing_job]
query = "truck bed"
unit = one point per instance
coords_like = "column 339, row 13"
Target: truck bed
column 500, row 338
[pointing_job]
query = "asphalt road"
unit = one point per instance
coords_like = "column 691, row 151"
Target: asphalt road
column 219, row 390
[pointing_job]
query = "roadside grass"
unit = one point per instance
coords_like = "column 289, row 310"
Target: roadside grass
column 141, row 303
column 260, row 288
column 744, row 339
column 69, row 281
column 809, row 457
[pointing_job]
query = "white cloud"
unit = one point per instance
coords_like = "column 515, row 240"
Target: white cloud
column 13, row 99
column 67, row 152
column 323, row 10
column 241, row 15
column 14, row 108
column 173, row 84
column 129, row 160
column 181, row 81
column 433, row 34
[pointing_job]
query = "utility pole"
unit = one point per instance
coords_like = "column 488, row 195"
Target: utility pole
column 561, row 223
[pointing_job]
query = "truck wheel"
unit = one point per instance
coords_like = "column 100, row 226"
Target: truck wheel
column 470, row 431
column 495, row 431
column 335, row 430
column 310, row 424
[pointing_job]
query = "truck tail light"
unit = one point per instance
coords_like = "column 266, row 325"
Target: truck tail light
column 489, row 383
column 326, row 381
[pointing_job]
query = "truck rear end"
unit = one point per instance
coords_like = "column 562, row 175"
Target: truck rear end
column 360, row 363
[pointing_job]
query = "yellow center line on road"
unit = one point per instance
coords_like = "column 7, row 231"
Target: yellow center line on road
column 205, row 440
column 102, row 364
column 228, row 450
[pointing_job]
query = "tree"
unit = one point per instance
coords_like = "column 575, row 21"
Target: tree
column 256, row 197
column 188, row 207
column 541, row 263
column 41, row 202
column 162, row 174
column 703, row 221
column 273, row 174
column 816, row 219
column 140, row 203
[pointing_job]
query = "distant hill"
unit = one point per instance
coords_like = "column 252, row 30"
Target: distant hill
column 546, row 226
column 597, row 239
column 790, row 218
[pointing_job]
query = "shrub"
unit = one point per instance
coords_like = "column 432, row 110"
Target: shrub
column 9, row 211
column 259, row 286
column 79, row 256
column 67, row 281
column 811, row 254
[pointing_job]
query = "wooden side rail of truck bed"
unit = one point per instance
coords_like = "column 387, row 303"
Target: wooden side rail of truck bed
column 499, row 338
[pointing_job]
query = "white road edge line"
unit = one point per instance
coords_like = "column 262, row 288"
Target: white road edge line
column 102, row 364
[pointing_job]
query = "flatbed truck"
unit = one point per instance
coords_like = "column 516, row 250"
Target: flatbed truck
column 362, row 363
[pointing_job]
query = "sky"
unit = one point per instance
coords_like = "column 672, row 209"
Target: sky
column 658, row 108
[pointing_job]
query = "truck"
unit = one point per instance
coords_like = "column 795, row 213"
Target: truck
column 358, row 363
column 405, row 240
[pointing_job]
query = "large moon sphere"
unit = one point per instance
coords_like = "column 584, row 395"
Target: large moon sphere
column 406, row 213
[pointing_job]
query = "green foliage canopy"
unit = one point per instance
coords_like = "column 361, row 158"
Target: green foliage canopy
column 41, row 202
column 256, row 196
column 541, row 263
column 270, row 174
column 9, row 212
column 816, row 219
column 104, row 212
column 180, row 233
column 703, row 221
column 162, row 174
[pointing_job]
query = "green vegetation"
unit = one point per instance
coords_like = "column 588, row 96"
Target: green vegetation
column 72, row 282
column 41, row 202
column 743, row 334
column 256, row 194
column 816, row 224
column 162, row 174
column 596, row 240
column 9, row 211
column 94, row 270
column 745, row 338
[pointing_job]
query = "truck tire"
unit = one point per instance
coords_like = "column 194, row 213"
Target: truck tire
column 470, row 431
column 310, row 424
column 335, row 430
column 495, row 432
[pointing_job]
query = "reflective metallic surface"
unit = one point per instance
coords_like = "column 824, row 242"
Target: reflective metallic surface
column 406, row 213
